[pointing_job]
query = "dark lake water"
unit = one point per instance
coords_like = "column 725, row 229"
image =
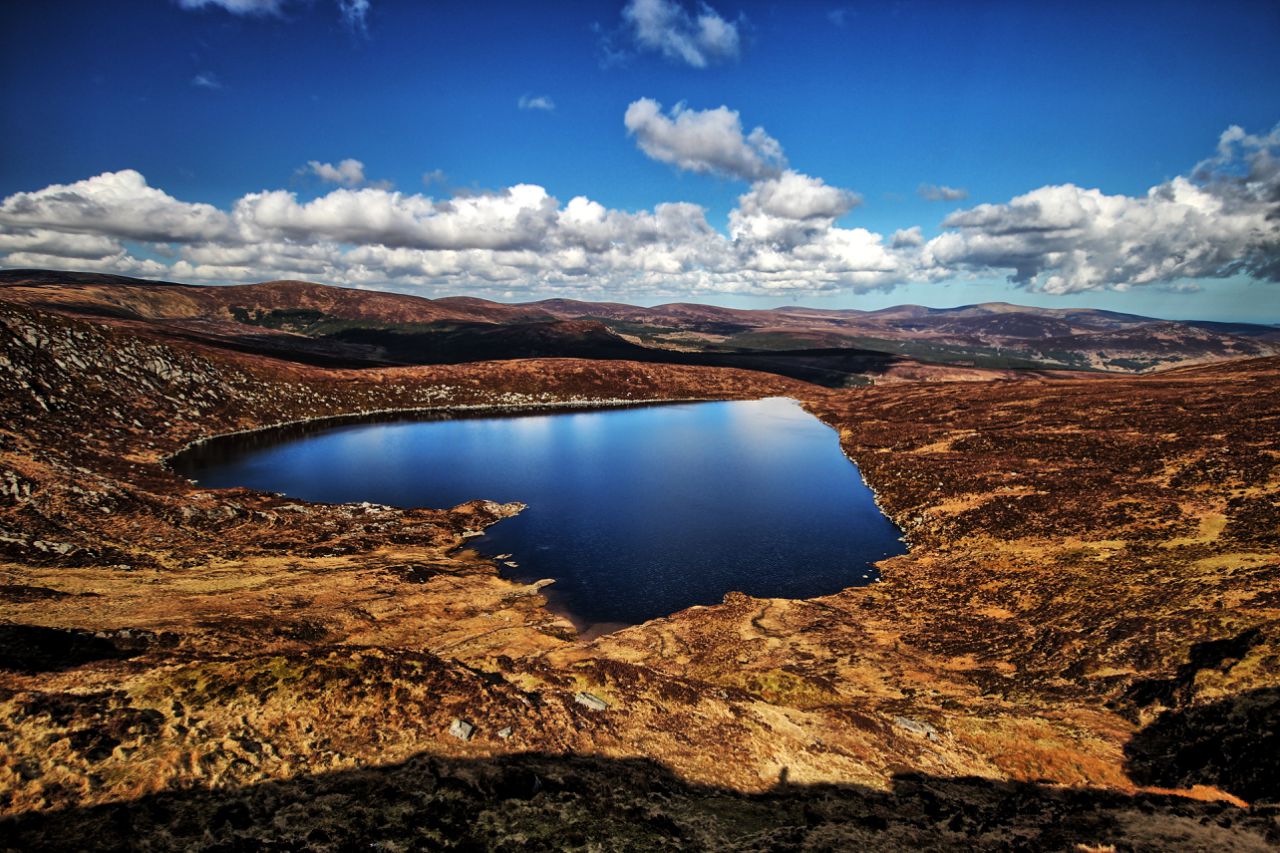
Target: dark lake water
column 635, row 512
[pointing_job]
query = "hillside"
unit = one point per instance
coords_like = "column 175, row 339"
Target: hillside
column 318, row 324
column 1079, row 648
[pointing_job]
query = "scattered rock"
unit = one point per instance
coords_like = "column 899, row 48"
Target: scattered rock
column 461, row 729
column 590, row 700
column 916, row 727
column 415, row 572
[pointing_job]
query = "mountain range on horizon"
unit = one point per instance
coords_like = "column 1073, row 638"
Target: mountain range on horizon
column 322, row 324
column 567, row 306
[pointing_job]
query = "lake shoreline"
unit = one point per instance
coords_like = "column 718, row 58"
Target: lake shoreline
column 643, row 511
column 464, row 411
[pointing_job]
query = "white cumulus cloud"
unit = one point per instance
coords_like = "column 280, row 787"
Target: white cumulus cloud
column 515, row 218
column 1222, row 220
column 789, row 209
column 117, row 205
column 348, row 172
column 704, row 140
column 906, row 238
column 783, row 237
column 520, row 239
column 61, row 244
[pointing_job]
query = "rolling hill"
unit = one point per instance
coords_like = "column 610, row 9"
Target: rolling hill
column 319, row 324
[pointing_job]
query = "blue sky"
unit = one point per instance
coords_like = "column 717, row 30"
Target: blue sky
column 883, row 100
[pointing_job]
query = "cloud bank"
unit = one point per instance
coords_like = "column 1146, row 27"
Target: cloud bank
column 784, row 236
column 1221, row 220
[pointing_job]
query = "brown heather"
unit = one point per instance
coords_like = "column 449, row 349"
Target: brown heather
column 1082, row 646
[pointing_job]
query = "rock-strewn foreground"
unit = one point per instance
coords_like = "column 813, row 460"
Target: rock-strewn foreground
column 1081, row 647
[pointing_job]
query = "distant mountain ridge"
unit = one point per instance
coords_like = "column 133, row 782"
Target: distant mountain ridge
column 310, row 321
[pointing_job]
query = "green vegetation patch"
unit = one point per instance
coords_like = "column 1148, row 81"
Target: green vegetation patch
column 780, row 687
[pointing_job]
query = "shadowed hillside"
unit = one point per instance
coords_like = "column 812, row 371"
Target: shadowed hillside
column 546, row 802
column 315, row 324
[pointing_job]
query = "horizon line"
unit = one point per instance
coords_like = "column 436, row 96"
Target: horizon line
column 533, row 301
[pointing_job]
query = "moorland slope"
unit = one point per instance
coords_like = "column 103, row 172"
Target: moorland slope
column 1080, row 647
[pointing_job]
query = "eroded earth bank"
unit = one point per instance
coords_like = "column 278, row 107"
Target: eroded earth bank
column 1081, row 647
